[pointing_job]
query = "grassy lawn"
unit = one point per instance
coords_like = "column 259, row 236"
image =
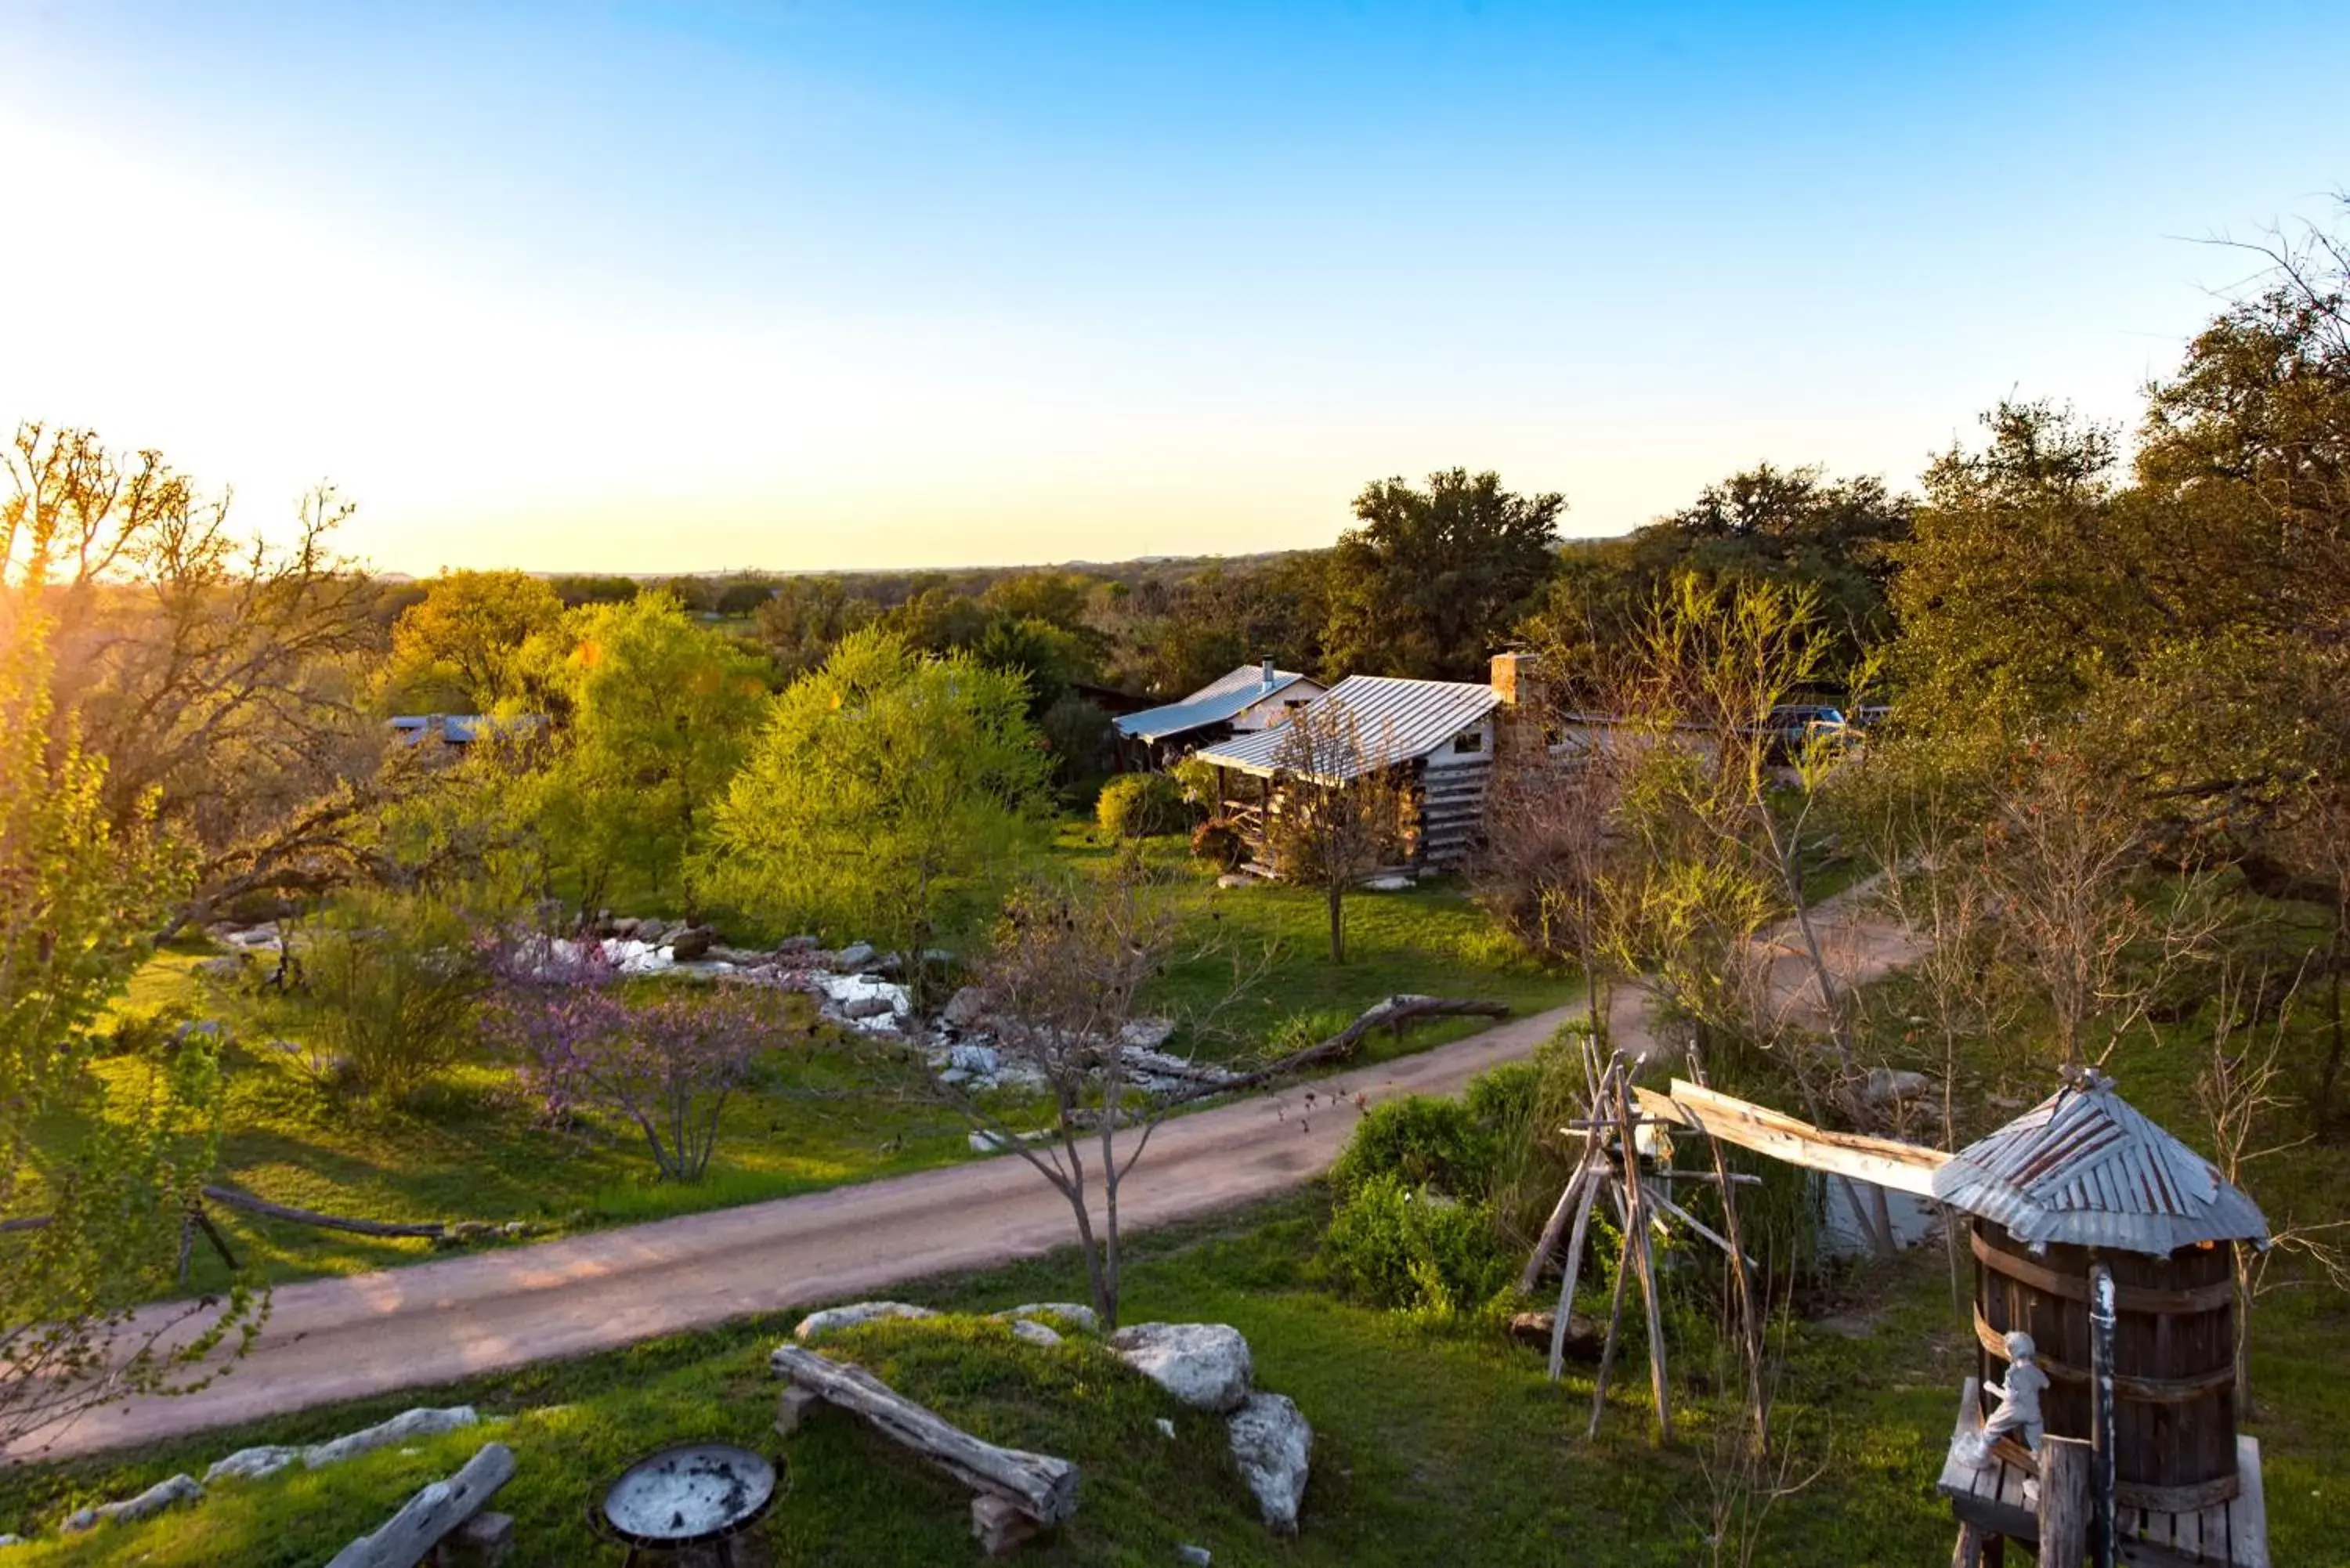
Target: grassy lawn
column 1435, row 1441
column 1429, row 939
column 471, row 1150
column 1432, row 1443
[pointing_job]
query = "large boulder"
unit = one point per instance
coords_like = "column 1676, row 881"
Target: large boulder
column 832, row 1320
column 1273, row 1445
column 1204, row 1364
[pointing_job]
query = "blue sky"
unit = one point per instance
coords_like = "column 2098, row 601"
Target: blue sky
column 677, row 287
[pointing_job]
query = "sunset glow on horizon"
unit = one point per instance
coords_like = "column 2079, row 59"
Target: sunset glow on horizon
column 681, row 288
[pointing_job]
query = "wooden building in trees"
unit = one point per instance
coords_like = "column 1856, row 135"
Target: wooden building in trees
column 1247, row 700
column 1435, row 738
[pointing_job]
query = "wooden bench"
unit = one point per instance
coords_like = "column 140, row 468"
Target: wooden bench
column 1017, row 1493
column 445, row 1523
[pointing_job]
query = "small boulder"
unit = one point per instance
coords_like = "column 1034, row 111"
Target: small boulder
column 980, row 1060
column 228, row 966
column 1204, row 1364
column 1386, row 884
column 164, row 1494
column 1886, row 1086
column 1166, row 1428
column 1273, row 1445
column 693, row 942
column 965, row 1008
column 408, row 1424
column 1147, row 1033
column 1234, row 879
column 867, row 1007
column 1071, row 1312
column 1194, row 1556
column 799, row 944
column 834, row 1319
column 854, row 956
column 1583, row 1342
column 252, row 1464
column 1033, row 1333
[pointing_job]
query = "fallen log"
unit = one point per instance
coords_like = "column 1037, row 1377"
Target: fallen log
column 1394, row 1012
column 432, row 1230
column 1042, row 1488
column 422, row 1524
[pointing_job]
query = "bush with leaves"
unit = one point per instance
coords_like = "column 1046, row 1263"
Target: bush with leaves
column 389, row 989
column 1141, row 805
column 1401, row 1245
column 1218, row 842
column 666, row 1064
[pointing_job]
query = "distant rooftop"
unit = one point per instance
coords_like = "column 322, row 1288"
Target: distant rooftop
column 1219, row 700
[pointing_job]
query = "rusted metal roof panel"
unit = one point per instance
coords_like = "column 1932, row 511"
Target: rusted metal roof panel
column 1395, row 720
column 2085, row 1167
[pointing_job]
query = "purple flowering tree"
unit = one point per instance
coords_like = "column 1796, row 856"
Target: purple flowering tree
column 668, row 1065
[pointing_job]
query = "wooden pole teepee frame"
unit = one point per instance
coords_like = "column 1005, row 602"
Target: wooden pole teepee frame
column 1610, row 1166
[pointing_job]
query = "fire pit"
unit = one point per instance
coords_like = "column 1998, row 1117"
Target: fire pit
column 700, row 1497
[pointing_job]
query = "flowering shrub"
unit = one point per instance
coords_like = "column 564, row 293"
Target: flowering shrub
column 667, row 1065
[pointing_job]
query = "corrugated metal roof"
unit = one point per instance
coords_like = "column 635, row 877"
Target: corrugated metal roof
column 2085, row 1167
column 1218, row 700
column 1395, row 720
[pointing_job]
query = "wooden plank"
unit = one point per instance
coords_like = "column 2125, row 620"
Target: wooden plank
column 1044, row 1488
column 1887, row 1162
column 406, row 1536
column 2066, row 1509
column 2248, row 1517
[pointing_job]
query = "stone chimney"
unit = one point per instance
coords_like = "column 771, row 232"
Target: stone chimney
column 1523, row 723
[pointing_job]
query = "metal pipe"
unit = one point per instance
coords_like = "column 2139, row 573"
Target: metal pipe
column 2102, row 1322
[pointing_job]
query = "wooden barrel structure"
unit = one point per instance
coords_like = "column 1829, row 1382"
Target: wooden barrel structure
column 2174, row 1358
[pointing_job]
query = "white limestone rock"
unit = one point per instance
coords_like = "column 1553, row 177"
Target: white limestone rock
column 832, row 1320
column 1204, row 1364
column 164, row 1494
column 1072, row 1313
column 424, row 1422
column 252, row 1464
column 1273, row 1445
column 1033, row 1333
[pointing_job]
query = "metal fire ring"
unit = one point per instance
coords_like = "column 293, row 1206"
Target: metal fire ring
column 693, row 1495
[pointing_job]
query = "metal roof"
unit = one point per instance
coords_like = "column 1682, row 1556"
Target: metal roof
column 1395, row 720
column 2085, row 1167
column 1218, row 700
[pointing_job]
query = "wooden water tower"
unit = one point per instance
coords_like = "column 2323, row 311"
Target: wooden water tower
column 2079, row 1195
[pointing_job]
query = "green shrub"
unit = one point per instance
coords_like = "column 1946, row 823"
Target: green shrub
column 389, row 992
column 1141, row 805
column 1412, row 1246
column 1218, row 842
column 1420, row 1142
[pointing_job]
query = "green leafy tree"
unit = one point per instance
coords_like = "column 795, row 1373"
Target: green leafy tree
column 459, row 647
column 1434, row 578
column 799, row 624
column 95, row 1184
column 1342, row 810
column 662, row 713
column 891, row 796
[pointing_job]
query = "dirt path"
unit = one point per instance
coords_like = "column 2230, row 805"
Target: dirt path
column 330, row 1340
column 337, row 1339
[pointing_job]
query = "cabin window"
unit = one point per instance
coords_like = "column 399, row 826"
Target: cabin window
column 1468, row 743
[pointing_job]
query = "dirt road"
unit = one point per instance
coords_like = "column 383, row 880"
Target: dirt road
column 337, row 1339
column 330, row 1340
